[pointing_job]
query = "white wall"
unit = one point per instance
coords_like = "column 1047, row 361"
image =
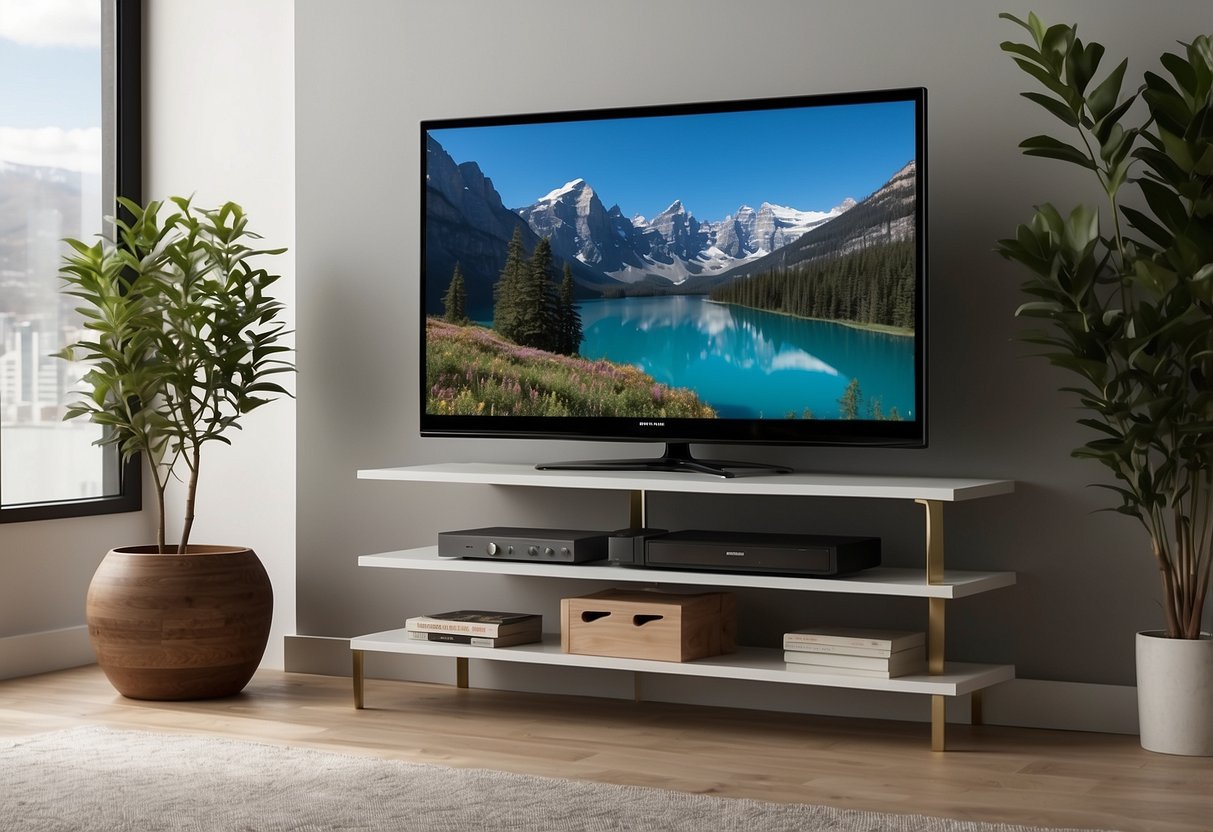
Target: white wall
column 369, row 70
column 45, row 569
column 219, row 115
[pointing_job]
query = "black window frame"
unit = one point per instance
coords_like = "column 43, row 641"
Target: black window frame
column 128, row 182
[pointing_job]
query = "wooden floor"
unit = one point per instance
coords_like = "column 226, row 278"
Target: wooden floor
column 1050, row 778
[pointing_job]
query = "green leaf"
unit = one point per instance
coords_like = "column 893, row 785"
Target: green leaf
column 1177, row 150
column 1082, row 230
column 1158, row 235
column 1051, row 81
column 1060, row 109
column 1116, row 177
column 1103, row 427
column 1096, row 371
column 1014, row 19
column 1167, row 207
column 1166, row 104
column 1025, row 51
column 1082, row 62
column 1182, row 71
column 1039, row 309
column 1103, row 98
column 1052, row 148
column 1056, row 44
column 1164, row 168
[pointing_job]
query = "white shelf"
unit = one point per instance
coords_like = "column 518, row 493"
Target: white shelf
column 909, row 583
column 946, row 489
column 752, row 663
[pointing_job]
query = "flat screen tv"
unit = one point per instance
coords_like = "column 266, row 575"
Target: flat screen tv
column 728, row 273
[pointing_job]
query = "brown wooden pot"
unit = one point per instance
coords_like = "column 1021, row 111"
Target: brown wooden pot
column 188, row 626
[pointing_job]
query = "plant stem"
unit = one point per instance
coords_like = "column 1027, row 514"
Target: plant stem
column 190, row 496
column 1168, row 583
column 161, row 545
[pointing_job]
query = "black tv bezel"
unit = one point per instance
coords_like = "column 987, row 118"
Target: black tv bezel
column 810, row 432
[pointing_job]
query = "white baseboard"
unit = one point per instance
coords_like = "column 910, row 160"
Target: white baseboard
column 1028, row 703
column 33, row 653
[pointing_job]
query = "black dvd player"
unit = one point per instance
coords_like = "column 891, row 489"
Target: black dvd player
column 762, row 553
column 511, row 543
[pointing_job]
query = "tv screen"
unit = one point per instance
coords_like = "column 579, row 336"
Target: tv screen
column 729, row 272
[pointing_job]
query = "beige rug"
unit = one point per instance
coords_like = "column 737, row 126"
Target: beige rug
column 95, row 780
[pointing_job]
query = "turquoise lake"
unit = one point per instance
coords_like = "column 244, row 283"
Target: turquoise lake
column 751, row 364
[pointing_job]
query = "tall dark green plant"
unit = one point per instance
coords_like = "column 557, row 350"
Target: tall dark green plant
column 185, row 337
column 1129, row 310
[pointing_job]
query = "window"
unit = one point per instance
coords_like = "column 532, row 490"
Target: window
column 69, row 144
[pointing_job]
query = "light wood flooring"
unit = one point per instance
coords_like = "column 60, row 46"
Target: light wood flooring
column 1013, row 775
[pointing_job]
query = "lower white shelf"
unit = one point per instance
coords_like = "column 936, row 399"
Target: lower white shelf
column 754, row 663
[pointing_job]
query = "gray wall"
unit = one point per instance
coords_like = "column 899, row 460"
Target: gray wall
column 368, row 72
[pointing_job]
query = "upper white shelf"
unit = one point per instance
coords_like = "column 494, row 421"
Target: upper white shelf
column 944, row 489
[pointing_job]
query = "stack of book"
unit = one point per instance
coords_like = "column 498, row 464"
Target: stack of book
column 480, row 628
column 853, row 651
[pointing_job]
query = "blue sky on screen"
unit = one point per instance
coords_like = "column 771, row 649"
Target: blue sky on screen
column 809, row 158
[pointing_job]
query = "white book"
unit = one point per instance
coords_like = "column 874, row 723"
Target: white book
column 477, row 622
column 840, row 649
column 891, row 640
column 907, row 661
column 474, row 641
column 850, row 671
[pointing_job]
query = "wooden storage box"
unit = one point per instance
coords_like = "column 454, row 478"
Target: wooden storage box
column 636, row 624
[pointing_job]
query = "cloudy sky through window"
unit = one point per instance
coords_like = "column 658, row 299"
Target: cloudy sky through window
column 50, row 63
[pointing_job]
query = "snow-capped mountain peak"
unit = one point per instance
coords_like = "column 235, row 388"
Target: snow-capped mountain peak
column 576, row 186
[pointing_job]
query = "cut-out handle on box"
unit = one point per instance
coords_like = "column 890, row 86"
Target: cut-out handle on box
column 593, row 615
column 641, row 620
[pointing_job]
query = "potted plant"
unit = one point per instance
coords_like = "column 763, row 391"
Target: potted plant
column 1129, row 311
column 185, row 342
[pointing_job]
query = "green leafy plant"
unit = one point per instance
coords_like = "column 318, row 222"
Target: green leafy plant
column 1130, row 312
column 185, row 338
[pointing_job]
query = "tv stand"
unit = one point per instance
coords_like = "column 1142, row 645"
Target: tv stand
column 937, row 586
column 677, row 458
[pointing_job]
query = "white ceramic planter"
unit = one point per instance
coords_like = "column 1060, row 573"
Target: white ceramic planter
column 1175, row 693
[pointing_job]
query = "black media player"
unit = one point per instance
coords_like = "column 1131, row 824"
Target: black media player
column 762, row 553
column 510, row 543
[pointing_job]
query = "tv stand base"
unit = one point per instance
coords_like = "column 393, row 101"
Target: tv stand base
column 677, row 458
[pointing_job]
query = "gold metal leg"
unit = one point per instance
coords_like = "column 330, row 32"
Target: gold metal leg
column 977, row 701
column 636, row 509
column 936, row 630
column 359, row 663
column 938, row 722
column 461, row 672
column 935, row 606
column 934, row 510
column 935, row 635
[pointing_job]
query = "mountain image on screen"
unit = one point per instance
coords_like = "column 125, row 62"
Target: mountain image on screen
column 569, row 307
